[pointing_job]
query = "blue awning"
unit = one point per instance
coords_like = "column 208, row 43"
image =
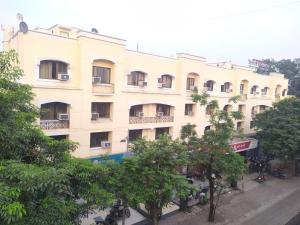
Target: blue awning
column 116, row 157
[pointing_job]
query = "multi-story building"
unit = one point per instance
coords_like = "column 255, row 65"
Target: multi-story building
column 94, row 91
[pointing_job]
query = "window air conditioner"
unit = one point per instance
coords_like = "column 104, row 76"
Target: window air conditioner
column 190, row 113
column 95, row 116
column 140, row 114
column 159, row 85
column 192, row 88
column 96, row 80
column 63, row 77
column 63, row 116
column 105, row 144
column 142, row 83
column 159, row 114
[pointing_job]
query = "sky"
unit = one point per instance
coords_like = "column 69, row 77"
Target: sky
column 231, row 30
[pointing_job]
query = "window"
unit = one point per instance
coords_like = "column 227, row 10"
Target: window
column 264, row 91
column 254, row 90
column 50, row 111
column 242, row 88
column 96, row 138
column 50, row 69
column 190, row 84
column 239, row 125
column 242, row 109
column 225, row 87
column 161, row 131
column 207, row 128
column 135, row 134
column 167, row 80
column 188, row 110
column 60, row 137
column 103, row 108
column 251, row 124
column 165, row 109
column 135, row 110
column 135, row 77
column 208, row 110
column 209, row 85
column 103, row 73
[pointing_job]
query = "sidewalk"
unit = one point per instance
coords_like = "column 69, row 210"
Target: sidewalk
column 273, row 202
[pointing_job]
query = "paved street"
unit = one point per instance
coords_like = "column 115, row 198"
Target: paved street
column 271, row 203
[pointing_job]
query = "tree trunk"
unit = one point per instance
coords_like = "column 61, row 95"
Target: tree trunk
column 211, row 215
column 154, row 212
column 124, row 201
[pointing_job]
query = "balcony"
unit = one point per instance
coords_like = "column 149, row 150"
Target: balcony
column 156, row 119
column 54, row 124
column 106, row 89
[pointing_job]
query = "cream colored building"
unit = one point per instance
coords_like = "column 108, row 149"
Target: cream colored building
column 94, row 91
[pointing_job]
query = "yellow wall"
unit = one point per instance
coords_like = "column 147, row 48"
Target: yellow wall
column 83, row 49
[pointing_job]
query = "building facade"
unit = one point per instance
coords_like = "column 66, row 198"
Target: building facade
column 94, row 91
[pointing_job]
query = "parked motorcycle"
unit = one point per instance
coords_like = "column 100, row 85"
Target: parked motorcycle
column 279, row 173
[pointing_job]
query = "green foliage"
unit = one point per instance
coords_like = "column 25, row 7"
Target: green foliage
column 153, row 173
column 290, row 69
column 212, row 151
column 278, row 128
column 40, row 183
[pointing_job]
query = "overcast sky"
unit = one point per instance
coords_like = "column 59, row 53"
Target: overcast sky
column 219, row 30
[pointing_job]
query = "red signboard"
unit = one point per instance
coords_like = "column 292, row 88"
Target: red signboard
column 241, row 146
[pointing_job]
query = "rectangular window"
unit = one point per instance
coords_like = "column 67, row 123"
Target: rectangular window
column 135, row 77
column 134, row 110
column 96, row 138
column 50, row 111
column 50, row 69
column 188, row 111
column 103, row 108
column 251, row 124
column 222, row 88
column 190, row 83
column 135, row 134
column 241, row 88
column 167, row 80
column 160, row 131
column 60, row 137
column 165, row 109
column 103, row 73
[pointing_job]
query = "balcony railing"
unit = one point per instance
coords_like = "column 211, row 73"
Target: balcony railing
column 157, row 119
column 54, row 124
column 103, row 88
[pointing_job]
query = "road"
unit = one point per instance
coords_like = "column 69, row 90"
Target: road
column 274, row 202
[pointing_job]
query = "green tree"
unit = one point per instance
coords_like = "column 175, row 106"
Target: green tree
column 40, row 183
column 154, row 176
column 213, row 150
column 278, row 128
column 290, row 69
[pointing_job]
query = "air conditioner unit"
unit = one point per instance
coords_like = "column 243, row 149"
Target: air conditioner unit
column 190, row 113
column 227, row 90
column 256, row 93
column 159, row 114
column 105, row 144
column 63, row 77
column 140, row 114
column 159, row 85
column 96, row 80
column 205, row 88
column 63, row 116
column 142, row 83
column 192, row 88
column 95, row 116
column 159, row 80
column 164, row 85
